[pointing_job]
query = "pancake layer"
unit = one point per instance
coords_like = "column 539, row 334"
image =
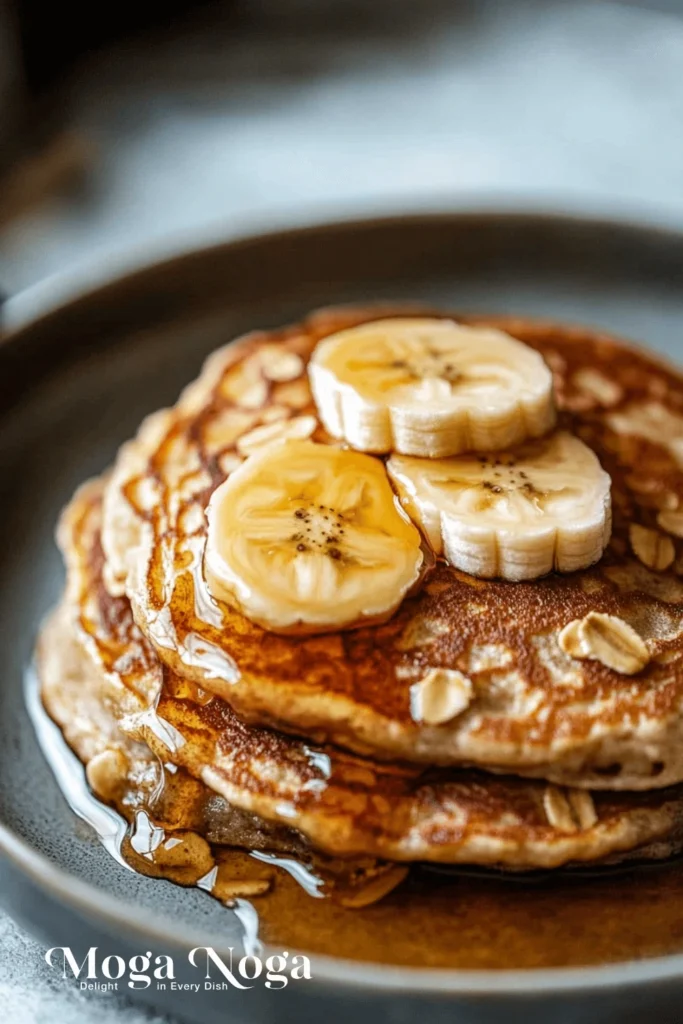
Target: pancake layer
column 536, row 710
column 343, row 804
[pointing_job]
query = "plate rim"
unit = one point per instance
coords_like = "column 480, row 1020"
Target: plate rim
column 113, row 914
column 63, row 289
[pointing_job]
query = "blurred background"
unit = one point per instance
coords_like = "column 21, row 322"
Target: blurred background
column 131, row 129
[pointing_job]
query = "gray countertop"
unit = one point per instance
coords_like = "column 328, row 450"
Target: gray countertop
column 340, row 105
column 309, row 106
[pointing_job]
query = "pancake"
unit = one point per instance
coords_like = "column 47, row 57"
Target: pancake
column 124, row 772
column 343, row 804
column 535, row 710
column 179, row 828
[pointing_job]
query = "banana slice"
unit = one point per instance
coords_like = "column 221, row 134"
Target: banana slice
column 430, row 387
column 303, row 537
column 516, row 515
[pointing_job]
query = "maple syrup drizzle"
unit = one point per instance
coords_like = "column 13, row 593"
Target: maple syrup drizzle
column 128, row 843
column 440, row 917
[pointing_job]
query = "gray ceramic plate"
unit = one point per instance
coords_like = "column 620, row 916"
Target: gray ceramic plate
column 76, row 382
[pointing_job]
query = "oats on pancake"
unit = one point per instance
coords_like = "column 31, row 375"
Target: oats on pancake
column 344, row 804
column 534, row 708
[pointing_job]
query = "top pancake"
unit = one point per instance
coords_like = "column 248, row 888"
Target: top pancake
column 535, row 709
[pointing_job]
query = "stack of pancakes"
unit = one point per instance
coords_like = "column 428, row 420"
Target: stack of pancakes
column 207, row 731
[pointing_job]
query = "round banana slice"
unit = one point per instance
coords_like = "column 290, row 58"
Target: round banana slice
column 430, row 387
column 515, row 515
column 303, row 537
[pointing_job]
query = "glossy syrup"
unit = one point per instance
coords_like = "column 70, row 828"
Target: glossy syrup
column 437, row 917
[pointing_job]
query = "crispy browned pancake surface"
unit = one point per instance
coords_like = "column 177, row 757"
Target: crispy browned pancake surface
column 535, row 710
